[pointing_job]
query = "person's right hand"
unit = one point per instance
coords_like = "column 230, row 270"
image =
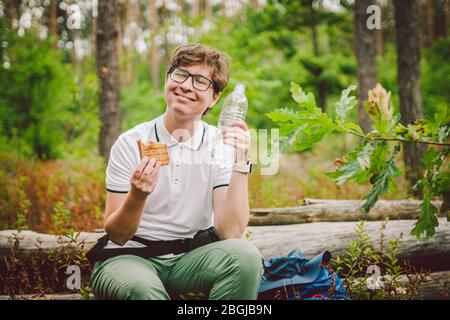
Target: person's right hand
column 145, row 177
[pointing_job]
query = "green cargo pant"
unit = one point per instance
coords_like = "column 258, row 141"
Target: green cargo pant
column 228, row 269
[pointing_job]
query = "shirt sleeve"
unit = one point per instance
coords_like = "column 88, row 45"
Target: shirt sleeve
column 120, row 167
column 224, row 168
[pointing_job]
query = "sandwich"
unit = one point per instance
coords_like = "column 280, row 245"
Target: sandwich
column 155, row 150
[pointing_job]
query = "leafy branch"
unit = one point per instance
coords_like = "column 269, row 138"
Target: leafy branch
column 373, row 160
column 402, row 140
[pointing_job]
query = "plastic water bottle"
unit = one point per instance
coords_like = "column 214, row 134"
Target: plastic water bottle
column 234, row 107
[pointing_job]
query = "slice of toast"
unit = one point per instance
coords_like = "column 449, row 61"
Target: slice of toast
column 155, row 150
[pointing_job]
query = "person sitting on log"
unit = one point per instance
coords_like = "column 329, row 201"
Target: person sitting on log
column 176, row 231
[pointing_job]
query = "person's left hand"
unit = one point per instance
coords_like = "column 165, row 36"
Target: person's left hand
column 237, row 136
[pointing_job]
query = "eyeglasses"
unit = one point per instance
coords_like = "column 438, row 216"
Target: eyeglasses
column 198, row 82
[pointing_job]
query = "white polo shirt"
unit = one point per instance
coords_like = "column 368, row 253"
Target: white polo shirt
column 182, row 202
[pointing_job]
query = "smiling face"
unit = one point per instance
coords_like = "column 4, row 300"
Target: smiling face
column 186, row 102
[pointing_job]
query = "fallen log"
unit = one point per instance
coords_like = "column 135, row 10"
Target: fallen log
column 310, row 238
column 49, row 296
column 437, row 286
column 316, row 210
column 313, row 238
column 28, row 241
column 433, row 287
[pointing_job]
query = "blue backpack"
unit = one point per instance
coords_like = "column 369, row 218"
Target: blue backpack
column 294, row 277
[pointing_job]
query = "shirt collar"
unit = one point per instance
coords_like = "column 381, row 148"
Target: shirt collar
column 163, row 135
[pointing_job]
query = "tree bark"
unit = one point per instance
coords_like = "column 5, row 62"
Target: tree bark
column 52, row 23
column 319, row 210
column 440, row 21
column 310, row 238
column 108, row 73
column 322, row 94
column 313, row 25
column 153, row 46
column 326, row 42
column 94, row 31
column 196, row 8
column 118, row 22
column 366, row 60
column 164, row 15
column 379, row 33
column 430, row 21
column 12, row 10
column 447, row 14
column 313, row 238
column 389, row 23
column 423, row 33
column 75, row 36
column 208, row 11
column 408, row 73
column 130, row 19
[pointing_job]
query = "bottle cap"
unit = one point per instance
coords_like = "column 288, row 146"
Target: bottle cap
column 239, row 87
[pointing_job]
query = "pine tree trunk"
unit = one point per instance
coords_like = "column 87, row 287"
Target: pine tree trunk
column 11, row 10
column 94, row 33
column 389, row 19
column 326, row 42
column 366, row 60
column 164, row 14
column 108, row 73
column 440, row 21
column 447, row 15
column 322, row 94
column 118, row 22
column 430, row 21
column 423, row 33
column 52, row 24
column 74, row 36
column 208, row 11
column 153, row 46
column 315, row 37
column 130, row 17
column 196, row 8
column 379, row 33
column 408, row 69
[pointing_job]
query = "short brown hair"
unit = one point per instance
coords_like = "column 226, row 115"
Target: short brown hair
column 193, row 54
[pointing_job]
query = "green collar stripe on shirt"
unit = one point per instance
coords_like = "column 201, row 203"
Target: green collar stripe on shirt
column 201, row 142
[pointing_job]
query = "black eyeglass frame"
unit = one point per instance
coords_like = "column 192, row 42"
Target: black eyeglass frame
column 190, row 75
